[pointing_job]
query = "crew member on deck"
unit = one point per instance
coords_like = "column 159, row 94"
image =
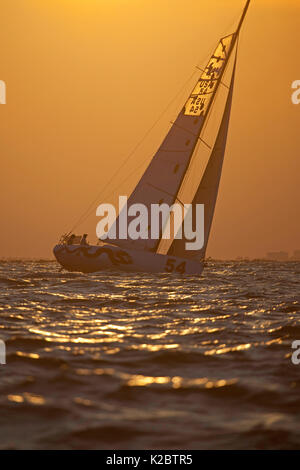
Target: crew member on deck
column 83, row 240
column 71, row 239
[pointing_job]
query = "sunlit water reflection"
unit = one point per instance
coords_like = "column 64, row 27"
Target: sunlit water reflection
column 150, row 361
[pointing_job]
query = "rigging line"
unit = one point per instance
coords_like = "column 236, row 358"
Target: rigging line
column 83, row 217
column 116, row 187
column 207, row 145
column 224, row 33
column 231, row 25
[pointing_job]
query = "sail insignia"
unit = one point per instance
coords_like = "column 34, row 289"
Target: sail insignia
column 203, row 92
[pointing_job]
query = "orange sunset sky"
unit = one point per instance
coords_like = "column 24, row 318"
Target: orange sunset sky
column 87, row 78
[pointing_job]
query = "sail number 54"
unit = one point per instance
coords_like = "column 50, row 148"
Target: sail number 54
column 172, row 267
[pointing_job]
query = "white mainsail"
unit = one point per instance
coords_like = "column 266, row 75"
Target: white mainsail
column 163, row 178
column 208, row 189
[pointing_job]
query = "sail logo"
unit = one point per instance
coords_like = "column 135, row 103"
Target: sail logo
column 2, row 352
column 2, row 92
column 203, row 94
column 164, row 222
column 296, row 94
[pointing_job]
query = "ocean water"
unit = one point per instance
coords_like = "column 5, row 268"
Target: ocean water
column 127, row 361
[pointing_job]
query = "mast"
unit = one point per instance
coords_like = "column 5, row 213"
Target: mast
column 231, row 48
column 243, row 17
column 208, row 188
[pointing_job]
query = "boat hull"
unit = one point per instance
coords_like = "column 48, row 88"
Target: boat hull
column 90, row 259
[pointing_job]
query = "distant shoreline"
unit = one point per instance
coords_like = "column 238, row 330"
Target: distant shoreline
column 208, row 260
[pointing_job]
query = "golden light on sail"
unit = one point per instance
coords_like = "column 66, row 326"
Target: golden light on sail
column 203, row 92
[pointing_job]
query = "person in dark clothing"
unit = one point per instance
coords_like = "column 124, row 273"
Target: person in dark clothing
column 71, row 239
column 83, row 240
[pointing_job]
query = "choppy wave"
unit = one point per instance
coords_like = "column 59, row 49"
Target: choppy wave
column 129, row 361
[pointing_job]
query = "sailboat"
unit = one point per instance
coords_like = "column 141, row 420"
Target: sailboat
column 163, row 179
